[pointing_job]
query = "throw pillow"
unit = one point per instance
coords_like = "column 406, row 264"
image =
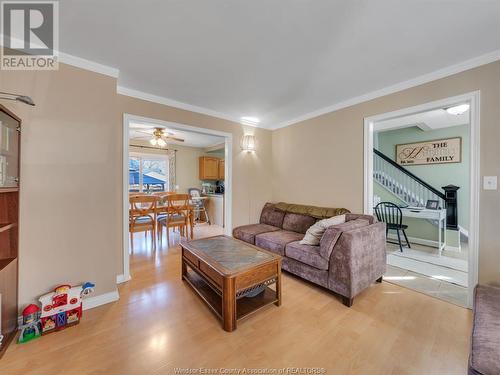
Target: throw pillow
column 316, row 231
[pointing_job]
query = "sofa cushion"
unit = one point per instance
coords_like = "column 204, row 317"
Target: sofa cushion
column 247, row 233
column 485, row 349
column 297, row 223
column 277, row 240
column 332, row 234
column 306, row 254
column 270, row 215
column 316, row 212
column 316, row 231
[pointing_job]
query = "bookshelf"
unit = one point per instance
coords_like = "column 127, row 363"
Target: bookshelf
column 10, row 126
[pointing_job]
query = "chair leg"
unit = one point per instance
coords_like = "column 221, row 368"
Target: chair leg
column 168, row 238
column 399, row 240
column 406, row 238
column 132, row 241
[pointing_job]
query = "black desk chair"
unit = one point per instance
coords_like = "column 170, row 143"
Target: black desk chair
column 392, row 216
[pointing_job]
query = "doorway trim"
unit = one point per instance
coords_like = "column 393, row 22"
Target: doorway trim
column 228, row 183
column 475, row 180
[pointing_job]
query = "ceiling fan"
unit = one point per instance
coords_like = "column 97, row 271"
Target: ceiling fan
column 158, row 136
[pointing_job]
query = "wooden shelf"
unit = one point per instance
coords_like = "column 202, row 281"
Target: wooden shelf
column 6, row 226
column 9, row 190
column 5, row 262
column 244, row 306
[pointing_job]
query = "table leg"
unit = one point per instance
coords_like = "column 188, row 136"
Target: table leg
column 191, row 221
column 278, row 286
column 184, row 267
column 228, row 305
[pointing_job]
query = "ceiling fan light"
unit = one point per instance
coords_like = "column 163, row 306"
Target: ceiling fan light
column 161, row 142
column 458, row 109
column 153, row 141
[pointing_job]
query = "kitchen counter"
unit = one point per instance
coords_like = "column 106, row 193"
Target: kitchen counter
column 215, row 207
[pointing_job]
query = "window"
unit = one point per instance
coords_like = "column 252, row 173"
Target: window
column 148, row 174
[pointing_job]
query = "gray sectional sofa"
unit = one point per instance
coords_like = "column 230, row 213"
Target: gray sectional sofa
column 350, row 256
column 485, row 342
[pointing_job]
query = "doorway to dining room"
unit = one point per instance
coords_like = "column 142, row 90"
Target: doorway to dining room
column 421, row 179
column 172, row 166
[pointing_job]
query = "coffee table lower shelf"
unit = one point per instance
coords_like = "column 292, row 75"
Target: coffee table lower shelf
column 213, row 298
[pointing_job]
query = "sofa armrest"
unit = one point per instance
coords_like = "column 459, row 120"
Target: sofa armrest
column 358, row 259
column 370, row 218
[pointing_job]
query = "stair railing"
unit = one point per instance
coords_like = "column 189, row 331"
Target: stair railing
column 408, row 187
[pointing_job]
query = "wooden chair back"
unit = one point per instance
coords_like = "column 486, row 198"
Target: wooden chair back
column 389, row 213
column 142, row 205
column 177, row 204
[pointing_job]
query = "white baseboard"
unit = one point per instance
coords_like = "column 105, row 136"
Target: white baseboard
column 423, row 241
column 122, row 278
column 464, row 231
column 420, row 241
column 101, row 299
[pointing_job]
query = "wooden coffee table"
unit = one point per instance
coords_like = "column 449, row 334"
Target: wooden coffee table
column 223, row 270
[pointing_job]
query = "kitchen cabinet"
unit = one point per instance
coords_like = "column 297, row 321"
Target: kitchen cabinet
column 215, row 208
column 209, row 168
column 221, row 169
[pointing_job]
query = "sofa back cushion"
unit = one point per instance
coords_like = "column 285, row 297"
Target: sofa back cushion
column 270, row 215
column 316, row 231
column 332, row 234
column 297, row 223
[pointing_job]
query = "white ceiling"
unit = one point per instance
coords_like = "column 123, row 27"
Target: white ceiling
column 276, row 60
column 137, row 133
column 426, row 121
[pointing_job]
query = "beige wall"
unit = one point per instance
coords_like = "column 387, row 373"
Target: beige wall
column 71, row 160
column 320, row 161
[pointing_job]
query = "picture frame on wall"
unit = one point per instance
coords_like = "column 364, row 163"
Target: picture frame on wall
column 438, row 151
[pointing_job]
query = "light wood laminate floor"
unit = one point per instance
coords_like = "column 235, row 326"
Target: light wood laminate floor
column 160, row 324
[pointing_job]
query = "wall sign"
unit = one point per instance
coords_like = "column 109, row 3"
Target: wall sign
column 440, row 151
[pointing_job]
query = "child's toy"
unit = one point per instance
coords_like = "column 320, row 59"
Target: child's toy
column 30, row 329
column 63, row 307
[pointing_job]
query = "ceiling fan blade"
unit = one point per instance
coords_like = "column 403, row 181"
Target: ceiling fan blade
column 144, row 132
column 174, row 139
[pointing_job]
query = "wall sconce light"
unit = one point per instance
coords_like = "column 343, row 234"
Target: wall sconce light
column 248, row 142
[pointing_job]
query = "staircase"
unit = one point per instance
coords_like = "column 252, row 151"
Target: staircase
column 403, row 184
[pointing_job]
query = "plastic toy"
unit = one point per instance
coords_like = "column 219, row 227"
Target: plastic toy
column 63, row 307
column 30, row 329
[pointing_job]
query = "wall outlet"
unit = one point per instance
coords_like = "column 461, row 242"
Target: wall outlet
column 490, row 183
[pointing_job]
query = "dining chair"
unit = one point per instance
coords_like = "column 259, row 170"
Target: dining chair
column 392, row 216
column 142, row 216
column 198, row 204
column 177, row 215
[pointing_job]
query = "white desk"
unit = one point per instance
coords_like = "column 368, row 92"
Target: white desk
column 426, row 214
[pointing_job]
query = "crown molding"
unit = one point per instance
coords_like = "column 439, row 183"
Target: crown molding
column 420, row 80
column 78, row 62
column 88, row 65
column 173, row 103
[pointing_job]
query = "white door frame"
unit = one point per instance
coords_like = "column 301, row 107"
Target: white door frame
column 228, row 180
column 475, row 181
